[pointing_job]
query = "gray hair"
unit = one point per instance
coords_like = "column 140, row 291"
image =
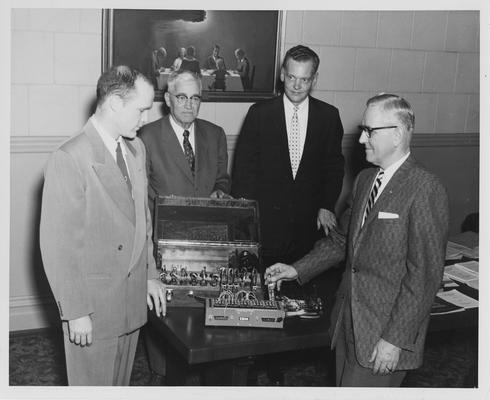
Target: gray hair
column 183, row 75
column 401, row 107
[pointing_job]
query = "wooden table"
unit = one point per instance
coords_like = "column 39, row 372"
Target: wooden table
column 221, row 356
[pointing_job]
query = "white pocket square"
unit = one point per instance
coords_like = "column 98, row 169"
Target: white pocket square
column 387, row 215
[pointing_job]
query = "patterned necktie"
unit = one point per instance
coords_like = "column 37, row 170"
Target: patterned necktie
column 294, row 151
column 373, row 194
column 189, row 153
column 122, row 166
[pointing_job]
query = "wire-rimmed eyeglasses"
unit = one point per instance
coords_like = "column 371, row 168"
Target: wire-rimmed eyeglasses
column 182, row 99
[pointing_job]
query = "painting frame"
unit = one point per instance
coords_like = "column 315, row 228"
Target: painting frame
column 263, row 67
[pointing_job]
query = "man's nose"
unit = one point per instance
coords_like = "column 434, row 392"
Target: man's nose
column 297, row 83
column 363, row 138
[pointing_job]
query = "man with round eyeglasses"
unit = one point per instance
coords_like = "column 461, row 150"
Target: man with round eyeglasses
column 392, row 238
column 186, row 156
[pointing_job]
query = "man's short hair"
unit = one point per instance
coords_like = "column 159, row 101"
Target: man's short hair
column 239, row 52
column 191, row 51
column 302, row 54
column 182, row 75
column 401, row 107
column 118, row 80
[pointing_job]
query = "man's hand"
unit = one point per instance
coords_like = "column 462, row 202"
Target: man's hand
column 80, row 330
column 278, row 272
column 385, row 357
column 325, row 219
column 219, row 194
column 156, row 295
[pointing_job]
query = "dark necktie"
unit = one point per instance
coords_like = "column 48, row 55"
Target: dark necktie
column 122, row 166
column 189, row 153
column 372, row 195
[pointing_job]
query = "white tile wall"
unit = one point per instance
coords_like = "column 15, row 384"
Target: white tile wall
column 440, row 72
column 473, row 119
column 359, row 28
column 54, row 110
column 87, row 99
column 371, row 71
column 54, row 20
column 424, row 106
column 407, row 68
column 467, row 78
column 91, row 21
column 462, row 31
column 230, row 116
column 336, row 71
column 429, row 30
column 19, row 100
column 77, row 58
column 322, row 27
column 294, row 26
column 351, row 106
column 451, row 113
column 394, row 29
column 32, row 57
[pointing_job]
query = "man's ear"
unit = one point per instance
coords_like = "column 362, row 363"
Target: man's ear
column 282, row 74
column 398, row 135
column 166, row 96
column 115, row 102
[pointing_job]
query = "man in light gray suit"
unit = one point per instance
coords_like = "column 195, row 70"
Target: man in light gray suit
column 393, row 239
column 95, row 234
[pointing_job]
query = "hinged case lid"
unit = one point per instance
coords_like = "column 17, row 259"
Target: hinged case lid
column 205, row 220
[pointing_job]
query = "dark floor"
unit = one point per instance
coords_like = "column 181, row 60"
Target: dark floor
column 37, row 358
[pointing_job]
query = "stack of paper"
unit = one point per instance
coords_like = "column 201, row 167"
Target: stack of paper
column 464, row 272
column 455, row 251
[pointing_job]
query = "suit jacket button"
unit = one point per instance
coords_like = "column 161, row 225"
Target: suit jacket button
column 120, row 247
column 354, row 270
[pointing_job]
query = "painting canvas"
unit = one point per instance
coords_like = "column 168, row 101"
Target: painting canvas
column 235, row 52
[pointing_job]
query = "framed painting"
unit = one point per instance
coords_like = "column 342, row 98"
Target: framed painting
column 236, row 52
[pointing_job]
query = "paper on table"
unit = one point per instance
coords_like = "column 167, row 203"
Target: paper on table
column 459, row 299
column 460, row 274
column 471, row 266
column 456, row 251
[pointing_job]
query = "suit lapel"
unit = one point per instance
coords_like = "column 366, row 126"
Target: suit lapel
column 136, row 172
column 200, row 151
column 172, row 148
column 281, row 134
column 386, row 197
column 109, row 174
column 310, row 133
column 359, row 204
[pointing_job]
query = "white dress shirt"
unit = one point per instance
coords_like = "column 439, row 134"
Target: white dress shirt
column 302, row 120
column 179, row 132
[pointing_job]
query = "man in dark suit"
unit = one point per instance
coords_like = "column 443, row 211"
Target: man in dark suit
column 393, row 238
column 95, row 234
column 186, row 156
column 213, row 59
column 291, row 162
column 197, row 170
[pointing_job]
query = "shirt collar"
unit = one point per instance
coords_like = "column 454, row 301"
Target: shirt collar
column 289, row 105
column 178, row 129
column 108, row 140
column 393, row 167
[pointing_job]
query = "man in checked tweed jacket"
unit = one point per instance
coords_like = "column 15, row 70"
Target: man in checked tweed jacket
column 394, row 255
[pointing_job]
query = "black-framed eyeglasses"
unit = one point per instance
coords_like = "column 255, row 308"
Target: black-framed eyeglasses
column 369, row 131
column 182, row 99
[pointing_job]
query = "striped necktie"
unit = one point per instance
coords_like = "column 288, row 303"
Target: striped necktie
column 373, row 194
column 122, row 166
column 294, row 151
column 189, row 153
